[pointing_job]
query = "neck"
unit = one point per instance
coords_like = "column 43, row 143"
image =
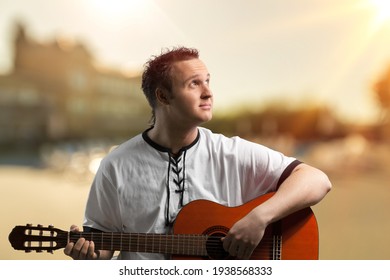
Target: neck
column 173, row 138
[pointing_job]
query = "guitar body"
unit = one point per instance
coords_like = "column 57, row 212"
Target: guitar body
column 298, row 232
column 197, row 234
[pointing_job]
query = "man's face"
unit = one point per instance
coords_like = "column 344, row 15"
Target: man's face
column 191, row 99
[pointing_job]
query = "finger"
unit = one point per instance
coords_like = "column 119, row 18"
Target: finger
column 74, row 228
column 233, row 248
column 91, row 251
column 226, row 242
column 247, row 254
column 76, row 250
column 68, row 249
column 241, row 251
column 84, row 250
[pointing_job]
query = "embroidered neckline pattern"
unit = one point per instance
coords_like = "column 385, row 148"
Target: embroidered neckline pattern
column 179, row 180
column 179, row 176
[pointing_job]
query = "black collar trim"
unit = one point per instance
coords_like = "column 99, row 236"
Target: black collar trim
column 165, row 149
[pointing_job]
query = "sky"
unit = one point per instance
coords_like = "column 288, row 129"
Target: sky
column 297, row 51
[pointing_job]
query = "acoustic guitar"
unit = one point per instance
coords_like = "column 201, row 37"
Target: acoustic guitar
column 197, row 234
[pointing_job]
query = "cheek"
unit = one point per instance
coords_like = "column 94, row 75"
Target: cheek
column 188, row 101
column 181, row 106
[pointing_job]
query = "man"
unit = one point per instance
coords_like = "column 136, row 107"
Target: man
column 142, row 184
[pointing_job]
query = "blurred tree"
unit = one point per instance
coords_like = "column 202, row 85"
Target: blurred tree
column 382, row 91
column 306, row 123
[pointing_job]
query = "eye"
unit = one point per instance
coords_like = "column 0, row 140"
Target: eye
column 194, row 83
column 197, row 82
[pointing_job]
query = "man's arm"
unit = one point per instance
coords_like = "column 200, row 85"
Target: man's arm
column 306, row 186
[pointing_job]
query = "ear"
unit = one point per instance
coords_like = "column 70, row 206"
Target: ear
column 162, row 96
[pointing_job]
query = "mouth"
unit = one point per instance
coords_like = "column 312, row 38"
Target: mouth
column 206, row 106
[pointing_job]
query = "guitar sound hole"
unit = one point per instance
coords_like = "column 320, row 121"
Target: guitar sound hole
column 214, row 246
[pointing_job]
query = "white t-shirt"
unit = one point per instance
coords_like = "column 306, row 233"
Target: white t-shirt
column 130, row 190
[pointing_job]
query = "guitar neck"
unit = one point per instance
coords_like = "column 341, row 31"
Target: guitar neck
column 192, row 245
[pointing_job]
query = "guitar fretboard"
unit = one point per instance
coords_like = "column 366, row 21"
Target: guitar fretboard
column 194, row 245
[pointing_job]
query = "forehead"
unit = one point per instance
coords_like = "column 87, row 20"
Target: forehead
column 185, row 69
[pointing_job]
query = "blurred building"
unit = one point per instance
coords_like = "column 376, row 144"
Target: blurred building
column 55, row 92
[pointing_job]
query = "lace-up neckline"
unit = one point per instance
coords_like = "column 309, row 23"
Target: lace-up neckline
column 176, row 172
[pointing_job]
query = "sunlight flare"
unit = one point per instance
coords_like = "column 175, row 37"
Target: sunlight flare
column 381, row 9
column 119, row 9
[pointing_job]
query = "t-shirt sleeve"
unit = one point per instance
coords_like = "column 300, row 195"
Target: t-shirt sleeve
column 287, row 171
column 262, row 169
column 102, row 209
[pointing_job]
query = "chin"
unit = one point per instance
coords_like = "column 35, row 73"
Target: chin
column 204, row 117
column 208, row 117
column 203, row 120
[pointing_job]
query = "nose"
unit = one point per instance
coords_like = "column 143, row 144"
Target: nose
column 206, row 91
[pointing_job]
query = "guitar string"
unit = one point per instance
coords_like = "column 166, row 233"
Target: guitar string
column 170, row 239
column 196, row 251
column 178, row 243
column 181, row 244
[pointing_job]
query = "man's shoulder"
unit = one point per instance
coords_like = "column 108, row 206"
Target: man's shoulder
column 208, row 133
column 123, row 149
column 234, row 142
column 217, row 137
column 133, row 141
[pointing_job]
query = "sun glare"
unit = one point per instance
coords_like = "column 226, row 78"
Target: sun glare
column 118, row 9
column 382, row 11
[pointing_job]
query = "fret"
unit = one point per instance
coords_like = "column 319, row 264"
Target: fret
column 145, row 242
column 120, row 241
column 166, row 244
column 178, row 244
column 128, row 239
column 148, row 244
column 152, row 243
column 159, row 244
column 137, row 242
column 170, row 244
column 183, row 244
column 173, row 242
column 112, row 241
column 196, row 247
